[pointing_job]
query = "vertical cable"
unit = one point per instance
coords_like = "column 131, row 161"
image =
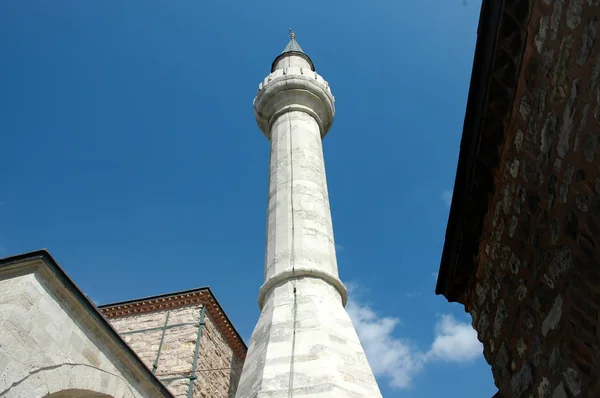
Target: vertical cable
column 292, row 259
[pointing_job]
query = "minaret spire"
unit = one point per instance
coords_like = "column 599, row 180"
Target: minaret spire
column 292, row 48
column 293, row 45
column 304, row 343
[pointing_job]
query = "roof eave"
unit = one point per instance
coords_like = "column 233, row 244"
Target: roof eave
column 487, row 34
column 204, row 289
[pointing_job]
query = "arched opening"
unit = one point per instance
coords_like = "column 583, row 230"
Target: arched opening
column 76, row 393
column 70, row 381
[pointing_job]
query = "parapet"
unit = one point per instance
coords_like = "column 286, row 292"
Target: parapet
column 293, row 70
column 294, row 88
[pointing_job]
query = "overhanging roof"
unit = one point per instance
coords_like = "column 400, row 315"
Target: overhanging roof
column 501, row 39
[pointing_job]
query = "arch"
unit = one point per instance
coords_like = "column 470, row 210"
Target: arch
column 62, row 381
column 74, row 393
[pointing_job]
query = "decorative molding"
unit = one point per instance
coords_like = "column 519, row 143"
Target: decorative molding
column 298, row 273
column 179, row 300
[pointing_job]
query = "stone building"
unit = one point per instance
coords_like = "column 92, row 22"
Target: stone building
column 56, row 343
column 522, row 249
column 185, row 338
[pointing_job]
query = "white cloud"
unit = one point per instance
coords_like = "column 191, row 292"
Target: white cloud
column 388, row 356
column 339, row 247
column 399, row 360
column 447, row 197
column 454, row 341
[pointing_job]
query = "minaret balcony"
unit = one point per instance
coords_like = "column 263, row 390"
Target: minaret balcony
column 294, row 88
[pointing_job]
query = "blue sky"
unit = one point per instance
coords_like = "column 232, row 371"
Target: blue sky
column 132, row 154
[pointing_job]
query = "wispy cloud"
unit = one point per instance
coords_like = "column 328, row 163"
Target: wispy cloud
column 339, row 247
column 454, row 341
column 412, row 294
column 399, row 360
column 434, row 275
column 389, row 356
column 447, row 197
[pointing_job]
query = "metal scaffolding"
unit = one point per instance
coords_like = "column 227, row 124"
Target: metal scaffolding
column 192, row 376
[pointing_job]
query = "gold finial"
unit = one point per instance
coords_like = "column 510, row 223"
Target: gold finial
column 292, row 34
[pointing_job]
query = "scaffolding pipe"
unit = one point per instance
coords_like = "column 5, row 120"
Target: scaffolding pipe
column 174, row 378
column 175, row 325
column 193, row 376
column 162, row 338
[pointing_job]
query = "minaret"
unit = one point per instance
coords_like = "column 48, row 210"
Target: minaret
column 304, row 344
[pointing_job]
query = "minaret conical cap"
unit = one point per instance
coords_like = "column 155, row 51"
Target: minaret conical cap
column 293, row 45
column 293, row 48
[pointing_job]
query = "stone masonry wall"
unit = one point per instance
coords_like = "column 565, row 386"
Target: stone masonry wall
column 49, row 344
column 536, row 293
column 217, row 367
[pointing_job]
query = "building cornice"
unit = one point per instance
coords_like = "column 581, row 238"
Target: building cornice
column 501, row 41
column 202, row 296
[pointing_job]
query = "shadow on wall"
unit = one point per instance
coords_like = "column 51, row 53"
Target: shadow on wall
column 234, row 375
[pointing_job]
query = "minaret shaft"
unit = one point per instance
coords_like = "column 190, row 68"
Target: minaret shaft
column 299, row 228
column 304, row 343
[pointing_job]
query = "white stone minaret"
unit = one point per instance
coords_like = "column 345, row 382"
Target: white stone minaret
column 304, row 344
